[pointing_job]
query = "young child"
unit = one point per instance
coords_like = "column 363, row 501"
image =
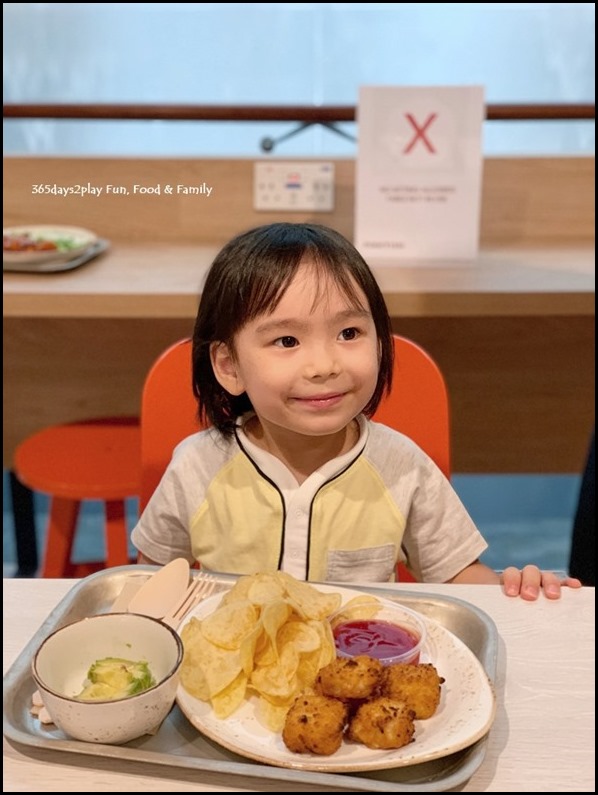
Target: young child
column 292, row 352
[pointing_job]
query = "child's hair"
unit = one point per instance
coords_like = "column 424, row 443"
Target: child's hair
column 249, row 277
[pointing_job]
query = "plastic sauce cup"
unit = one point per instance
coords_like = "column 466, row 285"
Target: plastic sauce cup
column 390, row 633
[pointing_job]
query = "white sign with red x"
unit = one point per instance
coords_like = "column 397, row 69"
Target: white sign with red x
column 419, row 173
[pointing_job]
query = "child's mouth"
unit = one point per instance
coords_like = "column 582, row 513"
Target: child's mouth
column 321, row 401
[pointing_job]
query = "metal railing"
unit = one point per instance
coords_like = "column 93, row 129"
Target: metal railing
column 312, row 114
column 304, row 115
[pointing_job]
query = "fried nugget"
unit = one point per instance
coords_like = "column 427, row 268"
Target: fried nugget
column 315, row 723
column 350, row 679
column 417, row 685
column 382, row 723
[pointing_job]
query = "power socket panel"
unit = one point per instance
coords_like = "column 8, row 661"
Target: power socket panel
column 287, row 186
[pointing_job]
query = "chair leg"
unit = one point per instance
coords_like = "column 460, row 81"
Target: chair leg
column 60, row 537
column 24, row 524
column 117, row 548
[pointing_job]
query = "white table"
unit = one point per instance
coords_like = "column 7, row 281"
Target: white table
column 542, row 739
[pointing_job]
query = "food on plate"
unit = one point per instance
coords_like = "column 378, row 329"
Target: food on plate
column 380, row 705
column 369, row 636
column 26, row 242
column 416, row 685
column 315, row 724
column 382, row 723
column 350, row 678
column 269, row 637
column 389, row 632
column 113, row 677
column 362, row 606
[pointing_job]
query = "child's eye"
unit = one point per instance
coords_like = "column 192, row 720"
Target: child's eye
column 349, row 333
column 286, row 342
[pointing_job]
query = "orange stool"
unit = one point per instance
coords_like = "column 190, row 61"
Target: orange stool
column 92, row 459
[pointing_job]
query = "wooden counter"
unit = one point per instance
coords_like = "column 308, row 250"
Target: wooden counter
column 164, row 280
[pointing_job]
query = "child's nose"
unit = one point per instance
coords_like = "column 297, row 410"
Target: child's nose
column 323, row 362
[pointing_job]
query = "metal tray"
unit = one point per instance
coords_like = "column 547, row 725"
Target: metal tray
column 178, row 744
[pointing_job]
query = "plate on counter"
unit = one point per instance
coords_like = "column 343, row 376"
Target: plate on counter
column 465, row 714
column 60, row 265
column 34, row 245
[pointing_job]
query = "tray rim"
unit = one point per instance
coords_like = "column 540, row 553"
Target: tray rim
column 473, row 756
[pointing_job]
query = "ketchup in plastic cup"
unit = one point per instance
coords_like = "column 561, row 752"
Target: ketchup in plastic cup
column 390, row 633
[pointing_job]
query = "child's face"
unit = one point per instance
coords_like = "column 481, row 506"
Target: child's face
column 310, row 366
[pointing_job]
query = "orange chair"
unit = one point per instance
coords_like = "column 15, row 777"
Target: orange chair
column 168, row 414
column 417, row 406
column 93, row 459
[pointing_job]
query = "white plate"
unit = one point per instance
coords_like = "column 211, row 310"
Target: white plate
column 79, row 240
column 466, row 711
column 58, row 266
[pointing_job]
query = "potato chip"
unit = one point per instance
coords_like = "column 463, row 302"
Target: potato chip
column 289, row 661
column 192, row 676
column 327, row 651
column 230, row 699
column 277, row 680
column 191, row 632
column 193, row 679
column 270, row 681
column 300, row 635
column 239, row 590
column 265, row 588
column 274, row 615
column 266, row 652
column 360, row 607
column 247, row 650
column 307, row 670
column 219, row 666
column 269, row 636
column 230, row 624
column 296, row 608
column 313, row 603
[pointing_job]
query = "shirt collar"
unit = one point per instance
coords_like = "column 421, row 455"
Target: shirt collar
column 274, row 469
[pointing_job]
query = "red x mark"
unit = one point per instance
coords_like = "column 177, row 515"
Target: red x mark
column 420, row 133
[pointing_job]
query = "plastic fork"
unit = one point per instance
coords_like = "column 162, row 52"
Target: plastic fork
column 203, row 585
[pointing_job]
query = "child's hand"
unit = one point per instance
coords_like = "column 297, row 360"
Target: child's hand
column 528, row 583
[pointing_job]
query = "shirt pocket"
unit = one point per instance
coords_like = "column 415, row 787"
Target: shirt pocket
column 372, row 564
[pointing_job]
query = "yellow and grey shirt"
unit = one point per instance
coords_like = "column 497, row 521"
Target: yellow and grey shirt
column 238, row 509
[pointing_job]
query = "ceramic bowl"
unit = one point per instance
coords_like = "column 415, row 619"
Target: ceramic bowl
column 385, row 630
column 61, row 664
